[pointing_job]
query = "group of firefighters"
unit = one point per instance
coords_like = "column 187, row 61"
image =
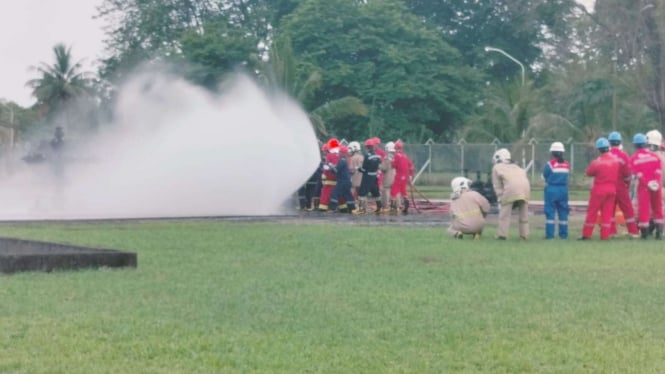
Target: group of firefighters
column 347, row 176
column 376, row 178
column 614, row 173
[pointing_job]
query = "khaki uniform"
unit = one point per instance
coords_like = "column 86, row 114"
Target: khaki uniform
column 388, row 179
column 513, row 190
column 356, row 176
column 468, row 213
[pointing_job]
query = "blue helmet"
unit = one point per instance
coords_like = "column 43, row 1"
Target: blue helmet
column 614, row 137
column 602, row 143
column 639, row 138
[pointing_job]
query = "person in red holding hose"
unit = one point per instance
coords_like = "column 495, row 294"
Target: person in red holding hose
column 605, row 171
column 646, row 168
column 403, row 174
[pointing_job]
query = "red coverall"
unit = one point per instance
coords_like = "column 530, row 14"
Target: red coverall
column 381, row 153
column 646, row 166
column 605, row 171
column 403, row 172
column 623, row 195
column 329, row 180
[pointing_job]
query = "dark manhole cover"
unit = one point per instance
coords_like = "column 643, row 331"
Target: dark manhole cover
column 28, row 255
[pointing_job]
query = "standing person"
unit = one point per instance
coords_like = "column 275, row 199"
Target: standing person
column 605, row 171
column 342, row 191
column 355, row 163
column 468, row 210
column 647, row 169
column 555, row 175
column 328, row 176
column 622, row 200
column 388, row 172
column 369, row 184
column 403, row 174
column 655, row 143
column 513, row 190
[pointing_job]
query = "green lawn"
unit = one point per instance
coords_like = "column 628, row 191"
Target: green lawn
column 210, row 297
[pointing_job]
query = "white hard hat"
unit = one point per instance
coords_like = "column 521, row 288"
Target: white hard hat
column 557, row 147
column 654, row 137
column 390, row 147
column 501, row 155
column 460, row 184
column 354, row 147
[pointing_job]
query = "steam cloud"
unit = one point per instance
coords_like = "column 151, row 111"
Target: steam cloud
column 175, row 151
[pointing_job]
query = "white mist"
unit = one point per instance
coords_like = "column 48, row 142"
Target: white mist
column 176, row 151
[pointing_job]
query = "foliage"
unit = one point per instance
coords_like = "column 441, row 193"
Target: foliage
column 385, row 56
column 240, row 297
column 280, row 73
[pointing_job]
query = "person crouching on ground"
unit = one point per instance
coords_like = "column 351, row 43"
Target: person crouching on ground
column 513, row 190
column 468, row 210
column 605, row 171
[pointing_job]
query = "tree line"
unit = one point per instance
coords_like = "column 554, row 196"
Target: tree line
column 409, row 69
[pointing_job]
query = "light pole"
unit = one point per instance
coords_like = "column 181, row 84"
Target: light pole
column 492, row 49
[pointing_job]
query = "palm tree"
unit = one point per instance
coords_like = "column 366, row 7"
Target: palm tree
column 280, row 72
column 59, row 83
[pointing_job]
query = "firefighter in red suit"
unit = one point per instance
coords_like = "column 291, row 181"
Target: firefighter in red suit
column 623, row 186
column 328, row 176
column 403, row 174
column 647, row 169
column 605, row 171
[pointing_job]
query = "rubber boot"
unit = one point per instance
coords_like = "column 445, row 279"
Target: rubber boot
column 652, row 226
column 393, row 207
column 406, row 206
column 644, row 233
column 314, row 204
column 362, row 207
column 378, row 207
column 659, row 231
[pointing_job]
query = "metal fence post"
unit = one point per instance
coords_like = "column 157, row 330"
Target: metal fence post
column 461, row 143
column 429, row 143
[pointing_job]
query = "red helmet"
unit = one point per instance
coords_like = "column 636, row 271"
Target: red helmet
column 333, row 143
column 369, row 142
column 399, row 144
column 343, row 150
column 325, row 147
column 376, row 140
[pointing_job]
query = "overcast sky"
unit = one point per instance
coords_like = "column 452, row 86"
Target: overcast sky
column 30, row 28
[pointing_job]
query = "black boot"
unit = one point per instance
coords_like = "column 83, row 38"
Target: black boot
column 659, row 231
column 378, row 207
column 406, row 206
column 652, row 226
column 644, row 233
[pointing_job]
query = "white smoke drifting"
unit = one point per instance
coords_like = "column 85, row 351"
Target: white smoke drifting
column 176, row 151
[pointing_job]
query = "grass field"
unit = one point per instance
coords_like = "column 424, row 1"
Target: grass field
column 212, row 297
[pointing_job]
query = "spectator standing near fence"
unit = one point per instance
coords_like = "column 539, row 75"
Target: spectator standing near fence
column 513, row 191
column 555, row 175
column 622, row 200
column 647, row 169
column 605, row 171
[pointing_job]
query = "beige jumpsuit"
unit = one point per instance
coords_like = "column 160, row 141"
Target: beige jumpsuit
column 388, row 179
column 513, row 190
column 468, row 213
column 356, row 177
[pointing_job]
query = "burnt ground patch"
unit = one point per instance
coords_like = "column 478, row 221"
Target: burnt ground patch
column 18, row 255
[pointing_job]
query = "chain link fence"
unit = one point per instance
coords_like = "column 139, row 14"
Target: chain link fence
column 437, row 164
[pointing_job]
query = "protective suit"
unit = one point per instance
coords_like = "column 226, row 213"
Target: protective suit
column 647, row 169
column 513, row 191
column 605, row 171
column 468, row 210
column 555, row 174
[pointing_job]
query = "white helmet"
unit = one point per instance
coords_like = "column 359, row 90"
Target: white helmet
column 501, row 155
column 654, row 137
column 557, row 147
column 390, row 147
column 354, row 147
column 460, row 184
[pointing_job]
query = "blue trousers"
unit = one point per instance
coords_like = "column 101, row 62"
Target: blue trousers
column 342, row 190
column 556, row 203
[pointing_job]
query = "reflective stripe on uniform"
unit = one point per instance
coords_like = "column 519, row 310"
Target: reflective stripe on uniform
column 329, row 183
column 469, row 213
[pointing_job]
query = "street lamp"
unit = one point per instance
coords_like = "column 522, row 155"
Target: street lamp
column 492, row 49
